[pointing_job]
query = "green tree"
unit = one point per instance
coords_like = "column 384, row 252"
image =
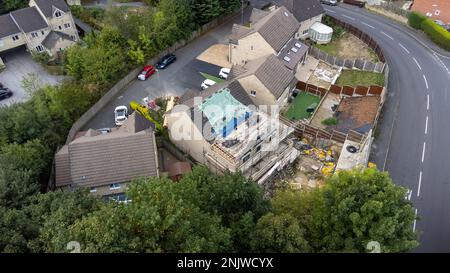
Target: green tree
column 278, row 233
column 206, row 10
column 160, row 218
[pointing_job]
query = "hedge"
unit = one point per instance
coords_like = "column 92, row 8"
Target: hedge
column 415, row 19
column 437, row 34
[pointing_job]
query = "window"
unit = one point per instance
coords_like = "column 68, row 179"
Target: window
column 251, row 47
column 59, row 27
column 58, row 13
column 67, row 25
column 258, row 148
column 114, row 186
column 253, row 93
column 305, row 31
column 93, row 189
column 43, row 32
column 73, row 37
column 34, row 34
column 15, row 38
column 39, row 48
column 246, row 158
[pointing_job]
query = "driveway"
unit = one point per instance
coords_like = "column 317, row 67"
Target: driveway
column 19, row 64
column 176, row 79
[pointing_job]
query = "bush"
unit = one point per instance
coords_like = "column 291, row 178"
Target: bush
column 436, row 33
column 330, row 121
column 415, row 19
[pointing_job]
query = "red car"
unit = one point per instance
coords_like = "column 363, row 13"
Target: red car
column 146, row 72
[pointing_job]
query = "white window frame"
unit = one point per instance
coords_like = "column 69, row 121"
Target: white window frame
column 58, row 13
column 15, row 38
column 34, row 34
column 115, row 186
column 253, row 93
column 38, row 48
column 66, row 25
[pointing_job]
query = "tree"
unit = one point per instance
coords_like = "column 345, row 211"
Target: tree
column 160, row 218
column 352, row 209
column 278, row 233
column 206, row 10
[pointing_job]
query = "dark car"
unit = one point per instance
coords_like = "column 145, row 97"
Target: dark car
column 166, row 61
column 5, row 93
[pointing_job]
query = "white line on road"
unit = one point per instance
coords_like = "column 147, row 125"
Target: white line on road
column 387, row 35
column 426, row 125
column 428, row 101
column 364, row 23
column 351, row 18
column 417, row 63
column 409, row 195
column 420, row 184
column 426, row 82
column 423, row 151
column 404, row 48
column 415, row 216
column 332, row 11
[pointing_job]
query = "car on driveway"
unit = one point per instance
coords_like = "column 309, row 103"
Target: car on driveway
column 5, row 93
column 207, row 83
column 329, row 2
column 166, row 61
column 224, row 72
column 146, row 72
column 120, row 114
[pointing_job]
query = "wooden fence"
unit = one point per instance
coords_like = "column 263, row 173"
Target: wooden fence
column 372, row 90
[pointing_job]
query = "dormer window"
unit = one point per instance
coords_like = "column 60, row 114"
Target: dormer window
column 58, row 14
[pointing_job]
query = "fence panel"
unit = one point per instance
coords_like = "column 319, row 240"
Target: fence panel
column 361, row 90
column 348, row 90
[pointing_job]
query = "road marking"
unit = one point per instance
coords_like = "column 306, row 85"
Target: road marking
column 417, row 63
column 423, row 151
column 442, row 63
column 428, row 101
column 351, row 18
column 426, row 82
column 332, row 11
column 387, row 35
column 415, row 220
column 364, row 23
column 404, row 48
column 426, row 125
column 420, row 184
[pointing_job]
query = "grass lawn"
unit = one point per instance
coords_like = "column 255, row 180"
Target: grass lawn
column 364, row 78
column 216, row 79
column 297, row 110
column 330, row 48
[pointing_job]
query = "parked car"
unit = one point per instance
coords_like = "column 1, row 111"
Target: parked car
column 166, row 61
column 104, row 130
column 355, row 3
column 120, row 114
column 224, row 72
column 329, row 2
column 207, row 83
column 146, row 72
column 5, row 93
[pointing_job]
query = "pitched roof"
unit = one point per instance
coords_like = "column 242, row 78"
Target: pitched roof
column 276, row 28
column 304, row 9
column 46, row 6
column 258, row 14
column 439, row 9
column 271, row 71
column 103, row 159
column 29, row 19
column 8, row 27
column 52, row 38
column 292, row 53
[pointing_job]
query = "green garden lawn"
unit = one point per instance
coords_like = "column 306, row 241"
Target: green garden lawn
column 364, row 78
column 297, row 110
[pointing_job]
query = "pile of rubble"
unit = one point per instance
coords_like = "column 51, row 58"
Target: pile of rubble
column 325, row 158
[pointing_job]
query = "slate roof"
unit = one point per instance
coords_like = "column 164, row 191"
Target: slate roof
column 304, row 9
column 294, row 50
column 29, row 19
column 271, row 71
column 52, row 38
column 276, row 28
column 103, row 159
column 258, row 14
column 8, row 27
column 46, row 6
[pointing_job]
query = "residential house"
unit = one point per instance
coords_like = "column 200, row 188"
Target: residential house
column 106, row 163
column 307, row 12
column 47, row 25
column 267, row 80
column 435, row 9
column 222, row 130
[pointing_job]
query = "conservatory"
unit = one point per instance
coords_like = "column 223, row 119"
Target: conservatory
column 320, row 33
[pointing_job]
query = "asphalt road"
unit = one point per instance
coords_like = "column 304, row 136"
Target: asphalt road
column 415, row 129
column 175, row 79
